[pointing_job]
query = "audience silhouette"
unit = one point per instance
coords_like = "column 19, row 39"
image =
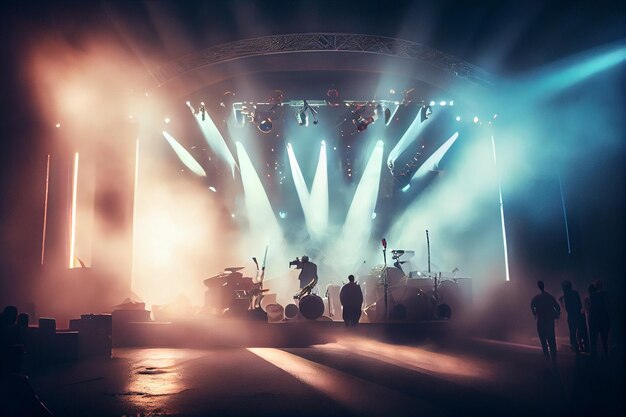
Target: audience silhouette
column 546, row 310
column 576, row 322
column 599, row 320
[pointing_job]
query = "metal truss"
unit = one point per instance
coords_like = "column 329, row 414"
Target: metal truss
column 320, row 42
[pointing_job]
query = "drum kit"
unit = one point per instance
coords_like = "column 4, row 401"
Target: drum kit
column 390, row 294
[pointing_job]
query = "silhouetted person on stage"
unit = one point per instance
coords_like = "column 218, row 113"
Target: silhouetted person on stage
column 307, row 277
column 578, row 337
column 546, row 310
column 351, row 299
column 599, row 322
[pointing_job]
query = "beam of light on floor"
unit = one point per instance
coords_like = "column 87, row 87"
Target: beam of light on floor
column 73, row 212
column 357, row 227
column 184, row 156
column 215, row 140
column 432, row 163
column 301, row 188
column 574, row 70
column 409, row 136
column 504, row 243
column 318, row 201
column 264, row 226
column 358, row 395
column 419, row 359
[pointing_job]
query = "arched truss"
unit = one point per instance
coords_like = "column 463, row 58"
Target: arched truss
column 320, row 42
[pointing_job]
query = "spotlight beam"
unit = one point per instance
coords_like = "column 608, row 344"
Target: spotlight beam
column 408, row 137
column 215, row 140
column 432, row 163
column 357, row 227
column 574, row 70
column 318, row 201
column 301, row 188
column 263, row 223
column 184, row 156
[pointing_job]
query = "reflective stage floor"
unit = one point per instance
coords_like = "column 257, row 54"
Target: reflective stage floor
column 351, row 376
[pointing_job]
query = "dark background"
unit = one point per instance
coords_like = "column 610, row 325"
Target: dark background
column 505, row 38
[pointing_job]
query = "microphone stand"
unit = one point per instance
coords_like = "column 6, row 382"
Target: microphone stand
column 428, row 245
column 385, row 282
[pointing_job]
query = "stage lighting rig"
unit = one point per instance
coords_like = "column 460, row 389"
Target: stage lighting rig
column 332, row 98
column 365, row 112
column 302, row 116
column 425, row 111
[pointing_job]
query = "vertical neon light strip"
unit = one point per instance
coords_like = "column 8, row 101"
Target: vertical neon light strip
column 73, row 218
column 132, row 256
column 45, row 211
column 506, row 253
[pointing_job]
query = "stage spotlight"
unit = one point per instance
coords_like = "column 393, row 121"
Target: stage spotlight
column 240, row 117
column 373, row 215
column 166, row 120
column 475, row 119
column 359, row 119
column 276, row 97
column 458, row 118
column 432, row 103
column 302, row 117
column 378, row 110
column 389, row 115
column 425, row 111
column 58, row 125
column 362, row 123
column 442, row 103
column 409, row 95
column 332, row 97
column 227, row 99
column 212, row 189
column 312, row 110
column 265, row 125
column 193, row 111
column 451, row 103
column 282, row 214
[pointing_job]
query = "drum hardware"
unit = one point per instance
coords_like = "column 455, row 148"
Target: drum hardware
column 306, row 290
column 385, row 282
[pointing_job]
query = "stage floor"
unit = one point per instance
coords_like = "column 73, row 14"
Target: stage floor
column 352, row 375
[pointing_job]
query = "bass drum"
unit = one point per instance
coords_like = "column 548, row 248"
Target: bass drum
column 450, row 295
column 311, row 307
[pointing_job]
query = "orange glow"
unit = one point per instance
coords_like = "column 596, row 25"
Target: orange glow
column 415, row 358
column 157, row 375
column 73, row 212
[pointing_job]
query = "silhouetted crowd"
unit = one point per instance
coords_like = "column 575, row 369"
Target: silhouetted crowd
column 585, row 321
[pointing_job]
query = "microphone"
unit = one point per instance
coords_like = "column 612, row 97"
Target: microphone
column 384, row 243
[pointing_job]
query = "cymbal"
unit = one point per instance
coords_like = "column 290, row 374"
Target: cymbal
column 234, row 268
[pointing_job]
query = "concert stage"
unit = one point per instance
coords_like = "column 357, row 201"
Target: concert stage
column 211, row 332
